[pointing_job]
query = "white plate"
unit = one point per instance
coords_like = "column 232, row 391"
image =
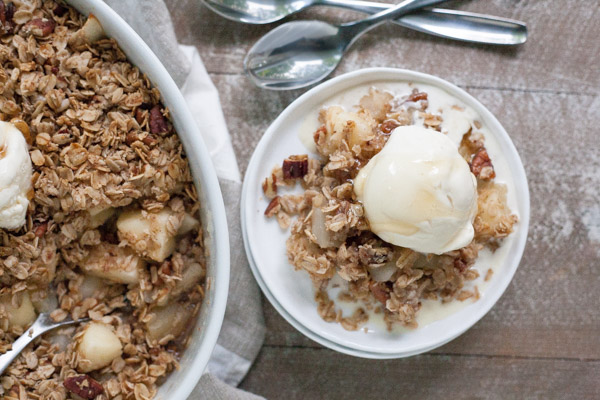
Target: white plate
column 291, row 292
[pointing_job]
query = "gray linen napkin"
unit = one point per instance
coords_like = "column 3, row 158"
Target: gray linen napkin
column 243, row 329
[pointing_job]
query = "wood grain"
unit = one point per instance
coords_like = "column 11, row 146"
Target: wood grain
column 321, row 374
column 541, row 338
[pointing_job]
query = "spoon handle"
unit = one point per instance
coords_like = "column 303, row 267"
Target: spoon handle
column 451, row 24
column 353, row 30
column 42, row 324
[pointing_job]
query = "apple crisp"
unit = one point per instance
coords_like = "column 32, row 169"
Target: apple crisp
column 330, row 235
column 112, row 231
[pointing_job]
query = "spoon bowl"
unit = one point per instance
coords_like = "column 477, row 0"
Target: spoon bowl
column 257, row 11
column 301, row 53
column 295, row 55
column 451, row 24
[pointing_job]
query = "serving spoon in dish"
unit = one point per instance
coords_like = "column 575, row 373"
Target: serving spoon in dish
column 300, row 53
column 41, row 325
column 451, row 24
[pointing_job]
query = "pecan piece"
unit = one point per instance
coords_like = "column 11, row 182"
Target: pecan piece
column 416, row 96
column 6, row 17
column 139, row 116
column 41, row 229
column 131, row 138
column 273, row 207
column 158, row 123
column 389, row 125
column 83, row 386
column 269, row 186
column 481, row 165
column 149, row 140
column 39, row 27
column 460, row 265
column 380, row 290
column 295, row 166
column 59, row 10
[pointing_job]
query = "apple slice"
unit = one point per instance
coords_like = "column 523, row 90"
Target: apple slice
column 170, row 319
column 117, row 264
column 89, row 33
column 98, row 216
column 98, row 347
column 21, row 316
column 150, row 234
column 188, row 224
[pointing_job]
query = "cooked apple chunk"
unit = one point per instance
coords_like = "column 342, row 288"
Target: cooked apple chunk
column 97, row 347
column 188, row 224
column 98, row 216
column 22, row 314
column 168, row 320
column 150, row 234
column 494, row 219
column 117, row 264
column 340, row 125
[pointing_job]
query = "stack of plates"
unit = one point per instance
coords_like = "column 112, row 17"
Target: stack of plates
column 291, row 292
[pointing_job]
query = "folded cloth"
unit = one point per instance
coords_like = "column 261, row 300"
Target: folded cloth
column 243, row 329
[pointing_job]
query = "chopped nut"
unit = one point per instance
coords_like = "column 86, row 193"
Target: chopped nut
column 481, row 166
column 6, row 17
column 83, row 386
column 295, row 166
column 269, row 186
column 460, row 265
column 158, row 123
column 389, row 125
column 273, row 207
column 41, row 229
column 416, row 96
column 380, row 290
column 59, row 10
column 39, row 27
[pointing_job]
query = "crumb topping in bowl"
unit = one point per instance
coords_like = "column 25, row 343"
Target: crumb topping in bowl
column 112, row 229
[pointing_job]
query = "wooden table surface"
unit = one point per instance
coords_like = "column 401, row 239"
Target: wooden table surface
column 542, row 339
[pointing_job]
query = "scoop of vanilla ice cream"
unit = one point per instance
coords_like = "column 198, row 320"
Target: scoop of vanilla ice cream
column 15, row 177
column 418, row 192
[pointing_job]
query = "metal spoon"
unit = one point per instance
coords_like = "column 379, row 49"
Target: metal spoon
column 42, row 324
column 451, row 24
column 300, row 53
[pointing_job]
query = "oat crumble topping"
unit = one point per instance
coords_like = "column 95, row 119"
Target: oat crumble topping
column 112, row 229
column 330, row 235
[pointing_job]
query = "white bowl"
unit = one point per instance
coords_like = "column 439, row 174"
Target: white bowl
column 181, row 382
column 291, row 292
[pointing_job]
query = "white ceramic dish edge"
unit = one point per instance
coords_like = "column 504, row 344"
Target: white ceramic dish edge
column 204, row 337
column 374, row 74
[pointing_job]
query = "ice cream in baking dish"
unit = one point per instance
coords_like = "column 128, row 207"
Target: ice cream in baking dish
column 404, row 209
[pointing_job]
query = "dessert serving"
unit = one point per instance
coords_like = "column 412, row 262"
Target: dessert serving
column 400, row 209
column 99, row 216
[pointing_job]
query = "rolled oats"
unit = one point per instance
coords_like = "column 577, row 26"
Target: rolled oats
column 100, row 140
